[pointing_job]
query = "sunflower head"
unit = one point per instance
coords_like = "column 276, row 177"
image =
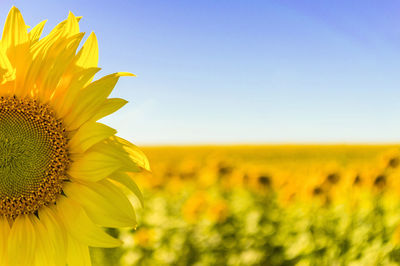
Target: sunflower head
column 62, row 173
column 33, row 156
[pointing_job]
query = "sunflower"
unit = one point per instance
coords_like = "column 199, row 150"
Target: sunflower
column 63, row 175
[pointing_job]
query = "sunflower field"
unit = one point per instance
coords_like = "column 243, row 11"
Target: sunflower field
column 265, row 205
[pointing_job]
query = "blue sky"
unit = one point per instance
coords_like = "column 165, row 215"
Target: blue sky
column 245, row 71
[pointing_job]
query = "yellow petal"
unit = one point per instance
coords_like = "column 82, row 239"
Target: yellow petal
column 88, row 56
column 36, row 32
column 15, row 42
column 108, row 107
column 44, row 253
column 51, row 56
column 105, row 206
column 68, row 27
column 81, row 227
column 88, row 135
column 126, row 180
column 78, row 253
column 71, row 26
column 50, row 59
column 56, row 234
column 68, row 89
column 4, row 232
column 93, row 166
column 22, row 240
column 14, row 32
column 7, row 71
column 114, row 149
column 90, row 100
column 56, row 66
column 135, row 153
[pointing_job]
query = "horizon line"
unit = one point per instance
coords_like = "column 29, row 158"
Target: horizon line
column 254, row 144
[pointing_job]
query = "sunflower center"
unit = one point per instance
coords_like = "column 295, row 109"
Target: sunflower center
column 33, row 156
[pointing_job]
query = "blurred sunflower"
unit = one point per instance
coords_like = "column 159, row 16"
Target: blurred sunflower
column 61, row 172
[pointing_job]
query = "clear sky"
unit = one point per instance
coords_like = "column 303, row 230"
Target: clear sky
column 245, row 71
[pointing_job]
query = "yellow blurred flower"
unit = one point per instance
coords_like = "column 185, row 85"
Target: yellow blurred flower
column 194, row 207
column 144, row 237
column 218, row 211
column 396, row 236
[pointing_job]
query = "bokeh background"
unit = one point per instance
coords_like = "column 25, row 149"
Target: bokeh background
column 271, row 127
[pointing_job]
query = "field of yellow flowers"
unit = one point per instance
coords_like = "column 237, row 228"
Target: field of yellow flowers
column 265, row 205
